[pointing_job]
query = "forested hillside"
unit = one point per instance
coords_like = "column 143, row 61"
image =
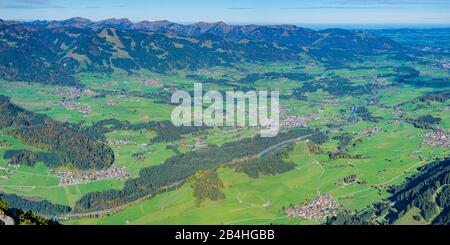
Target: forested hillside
column 53, row 52
column 71, row 145
column 11, row 215
column 40, row 207
column 428, row 191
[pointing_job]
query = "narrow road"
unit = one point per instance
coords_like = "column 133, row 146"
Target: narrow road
column 275, row 148
column 262, row 154
column 389, row 181
column 119, row 208
column 115, row 209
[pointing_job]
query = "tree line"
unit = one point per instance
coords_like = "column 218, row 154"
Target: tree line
column 180, row 167
column 29, row 158
column 425, row 122
column 40, row 207
column 272, row 165
column 336, row 86
column 165, row 130
column 21, row 217
column 207, row 185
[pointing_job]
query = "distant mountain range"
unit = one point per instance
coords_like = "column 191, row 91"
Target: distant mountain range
column 54, row 51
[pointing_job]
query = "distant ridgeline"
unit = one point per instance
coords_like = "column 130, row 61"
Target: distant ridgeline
column 428, row 191
column 53, row 52
column 177, row 169
column 64, row 144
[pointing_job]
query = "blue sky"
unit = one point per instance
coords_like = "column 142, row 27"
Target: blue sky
column 338, row 12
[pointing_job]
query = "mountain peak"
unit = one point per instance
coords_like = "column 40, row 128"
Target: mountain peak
column 77, row 22
column 79, row 19
column 159, row 25
column 117, row 20
column 122, row 23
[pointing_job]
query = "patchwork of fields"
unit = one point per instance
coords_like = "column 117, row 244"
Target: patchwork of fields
column 380, row 148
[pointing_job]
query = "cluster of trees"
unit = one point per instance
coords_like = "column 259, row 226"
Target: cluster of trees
column 348, row 218
column 411, row 76
column 42, row 207
column 425, row 122
column 348, row 179
column 426, row 82
column 21, row 217
column 308, row 87
column 439, row 97
column 210, row 80
column 246, row 83
column 406, row 72
column 336, row 85
column 139, row 156
column 166, row 131
column 343, row 155
column 345, row 140
column 173, row 148
column 29, row 158
column 443, row 197
column 272, row 165
column 366, row 115
column 207, row 185
column 260, row 167
column 368, row 216
column 177, row 169
column 71, row 143
column 160, row 97
column 295, row 76
column 5, row 144
column 314, row 148
column 443, row 201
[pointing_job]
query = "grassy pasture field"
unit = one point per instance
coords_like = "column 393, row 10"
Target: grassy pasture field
column 245, row 197
column 388, row 157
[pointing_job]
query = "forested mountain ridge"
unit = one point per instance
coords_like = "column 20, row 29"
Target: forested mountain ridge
column 279, row 34
column 53, row 52
column 427, row 191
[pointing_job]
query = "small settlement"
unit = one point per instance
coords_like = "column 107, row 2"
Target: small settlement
column 319, row 209
column 72, row 178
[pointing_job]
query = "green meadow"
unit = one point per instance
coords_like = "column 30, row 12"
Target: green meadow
column 386, row 158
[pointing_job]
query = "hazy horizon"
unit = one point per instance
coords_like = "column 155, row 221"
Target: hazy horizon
column 314, row 26
column 331, row 13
